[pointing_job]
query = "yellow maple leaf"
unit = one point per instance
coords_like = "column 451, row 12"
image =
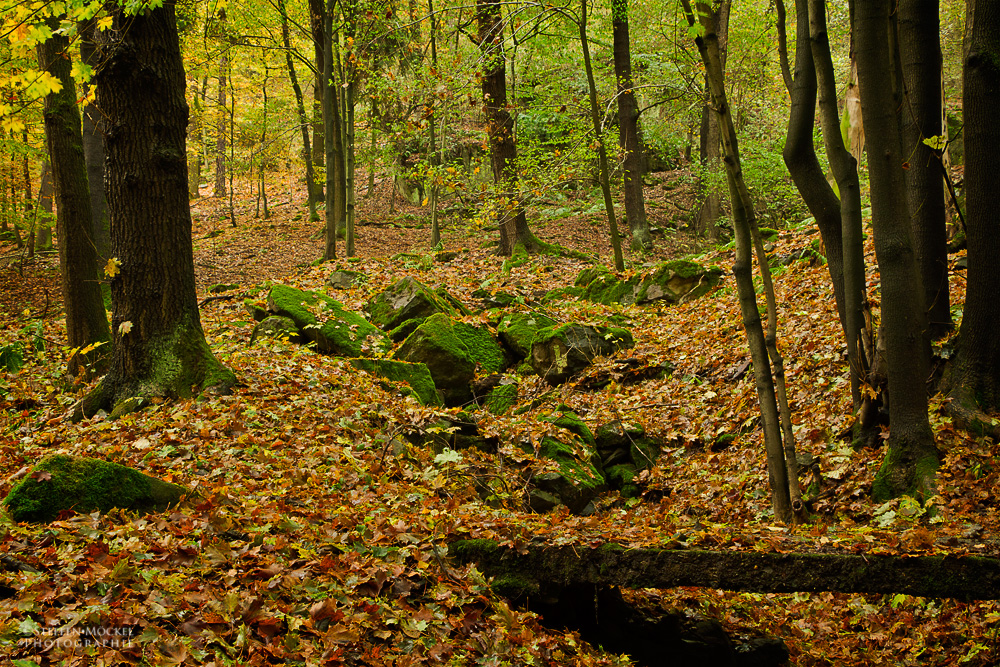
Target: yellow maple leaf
column 111, row 268
column 124, row 328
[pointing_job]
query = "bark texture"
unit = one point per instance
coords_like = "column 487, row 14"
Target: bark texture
column 628, row 130
column 93, row 153
column 503, row 149
column 920, row 53
column 86, row 321
column 974, row 379
column 911, row 458
column 159, row 345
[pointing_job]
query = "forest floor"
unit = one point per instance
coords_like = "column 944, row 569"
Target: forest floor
column 318, row 537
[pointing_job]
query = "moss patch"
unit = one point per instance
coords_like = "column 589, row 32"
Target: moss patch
column 62, row 482
column 517, row 331
column 406, row 299
column 325, row 321
column 502, row 399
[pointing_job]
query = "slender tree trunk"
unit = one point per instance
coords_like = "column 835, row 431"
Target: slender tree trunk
column 336, row 178
column 435, row 226
column 973, row 382
column 350, row 152
column 86, row 322
column 780, row 457
column 303, row 119
column 46, row 216
column 160, row 348
column 316, row 12
column 223, row 115
column 628, row 130
column 500, row 126
column 911, row 458
column 195, row 134
column 711, row 207
column 30, row 212
column 602, row 154
column 93, row 154
column 920, row 52
column 845, row 171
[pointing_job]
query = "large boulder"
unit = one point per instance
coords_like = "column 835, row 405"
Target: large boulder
column 61, row 482
column 276, row 326
column 453, row 352
column 517, row 331
column 560, row 352
column 417, row 376
column 409, row 299
column 579, row 479
column 325, row 321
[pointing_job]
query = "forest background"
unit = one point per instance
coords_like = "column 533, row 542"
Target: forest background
column 298, row 454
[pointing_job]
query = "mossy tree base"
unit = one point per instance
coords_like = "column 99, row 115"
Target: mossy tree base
column 531, row 572
column 180, row 365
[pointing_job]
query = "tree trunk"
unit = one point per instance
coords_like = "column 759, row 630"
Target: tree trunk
column 849, row 231
column 911, row 458
column 45, row 217
column 86, row 322
column 223, row 117
column 711, row 207
column 316, row 12
column 602, row 154
column 920, row 52
column 779, row 465
column 500, row 127
column 974, row 379
column 93, row 154
column 159, row 345
column 336, row 177
column 628, row 130
column 301, row 108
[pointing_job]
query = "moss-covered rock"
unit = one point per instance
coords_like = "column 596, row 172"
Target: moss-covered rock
column 621, row 477
column 502, row 399
column 453, row 352
column 580, row 478
column 62, row 482
column 609, row 290
column 559, row 352
column 276, row 326
column 256, row 309
column 680, row 279
column 406, row 299
column 563, row 294
column 400, row 333
column 325, row 321
column 345, row 279
column 417, row 376
column 588, row 275
column 517, row 331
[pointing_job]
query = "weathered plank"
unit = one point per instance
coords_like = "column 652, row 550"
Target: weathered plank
column 541, row 567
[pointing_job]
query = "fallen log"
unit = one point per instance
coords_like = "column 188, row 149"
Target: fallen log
column 542, row 568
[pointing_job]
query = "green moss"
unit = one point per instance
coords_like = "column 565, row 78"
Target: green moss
column 340, row 331
column 436, row 344
column 565, row 418
column 563, row 294
column 768, row 234
column 256, row 310
column 483, row 350
column 502, row 399
column 405, row 329
column 518, row 330
column 406, row 299
column 608, row 289
column 588, row 275
column 61, row 482
column 417, row 376
column 898, row 476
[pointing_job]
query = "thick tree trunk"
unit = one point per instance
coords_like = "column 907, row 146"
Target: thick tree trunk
column 86, row 322
column 920, row 52
column 974, row 379
column 313, row 199
column 779, row 464
column 850, row 231
column 500, row 126
column 628, row 130
column 911, row 458
column 93, row 154
column 159, row 345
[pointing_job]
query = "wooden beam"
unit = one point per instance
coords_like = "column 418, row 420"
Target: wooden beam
column 542, row 568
